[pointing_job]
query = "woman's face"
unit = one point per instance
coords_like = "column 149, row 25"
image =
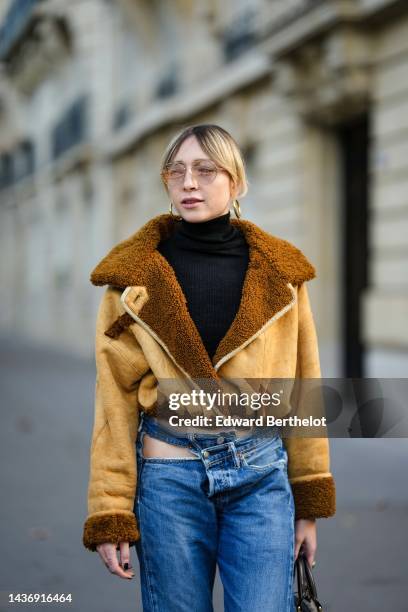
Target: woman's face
column 214, row 198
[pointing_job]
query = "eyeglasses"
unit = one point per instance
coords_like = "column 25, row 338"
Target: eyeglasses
column 203, row 172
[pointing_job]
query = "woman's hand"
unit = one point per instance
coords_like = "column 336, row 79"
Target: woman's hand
column 306, row 537
column 107, row 553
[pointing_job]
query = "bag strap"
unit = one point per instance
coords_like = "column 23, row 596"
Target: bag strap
column 303, row 587
column 306, row 584
column 310, row 579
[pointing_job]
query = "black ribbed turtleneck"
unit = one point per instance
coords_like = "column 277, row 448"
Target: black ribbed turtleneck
column 210, row 260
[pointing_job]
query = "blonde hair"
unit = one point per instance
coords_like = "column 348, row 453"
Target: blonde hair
column 219, row 145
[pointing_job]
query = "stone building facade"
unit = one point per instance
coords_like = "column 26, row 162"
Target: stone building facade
column 316, row 94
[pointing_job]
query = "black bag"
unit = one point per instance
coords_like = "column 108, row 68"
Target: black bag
column 306, row 597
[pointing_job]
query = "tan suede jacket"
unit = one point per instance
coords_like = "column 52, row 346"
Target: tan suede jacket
column 144, row 332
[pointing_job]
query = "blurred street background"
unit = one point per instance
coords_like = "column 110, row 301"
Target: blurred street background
column 91, row 91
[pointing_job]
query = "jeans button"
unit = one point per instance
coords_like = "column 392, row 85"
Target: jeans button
column 220, row 440
column 205, row 454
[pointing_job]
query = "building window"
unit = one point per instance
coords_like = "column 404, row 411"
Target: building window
column 168, row 84
column 71, row 129
column 239, row 35
column 122, row 116
column 6, row 170
column 24, row 160
column 14, row 24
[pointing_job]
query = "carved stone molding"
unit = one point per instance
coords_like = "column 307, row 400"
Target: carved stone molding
column 328, row 79
column 46, row 43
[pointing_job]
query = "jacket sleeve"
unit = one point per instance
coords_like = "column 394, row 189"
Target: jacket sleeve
column 120, row 364
column 309, row 473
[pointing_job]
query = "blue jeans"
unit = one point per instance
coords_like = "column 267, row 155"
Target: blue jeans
column 231, row 504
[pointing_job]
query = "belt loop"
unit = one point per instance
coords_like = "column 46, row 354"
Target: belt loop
column 139, row 442
column 233, row 449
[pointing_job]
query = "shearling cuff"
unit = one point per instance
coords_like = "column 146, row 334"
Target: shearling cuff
column 113, row 528
column 315, row 498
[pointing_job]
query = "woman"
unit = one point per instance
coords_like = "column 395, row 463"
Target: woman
column 201, row 296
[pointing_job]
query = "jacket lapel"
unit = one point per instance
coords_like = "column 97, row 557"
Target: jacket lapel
column 153, row 296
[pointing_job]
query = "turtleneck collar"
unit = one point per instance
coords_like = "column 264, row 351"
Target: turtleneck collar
column 214, row 230
column 216, row 236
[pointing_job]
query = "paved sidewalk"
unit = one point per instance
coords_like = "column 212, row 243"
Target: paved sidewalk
column 47, row 416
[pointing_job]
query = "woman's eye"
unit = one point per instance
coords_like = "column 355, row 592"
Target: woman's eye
column 204, row 170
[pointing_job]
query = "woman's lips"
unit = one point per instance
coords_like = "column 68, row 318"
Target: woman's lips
column 191, row 204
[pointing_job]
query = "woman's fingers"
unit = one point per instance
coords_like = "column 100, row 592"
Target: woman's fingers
column 107, row 552
column 298, row 544
column 306, row 538
column 125, row 557
column 310, row 551
column 101, row 550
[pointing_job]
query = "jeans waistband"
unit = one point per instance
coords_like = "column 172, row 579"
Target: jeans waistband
column 153, row 427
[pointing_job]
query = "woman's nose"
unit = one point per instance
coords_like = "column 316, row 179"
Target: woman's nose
column 189, row 179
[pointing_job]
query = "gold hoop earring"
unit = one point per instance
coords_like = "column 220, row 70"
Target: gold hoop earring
column 237, row 209
column 178, row 217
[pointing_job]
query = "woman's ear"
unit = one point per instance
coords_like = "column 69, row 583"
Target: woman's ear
column 233, row 189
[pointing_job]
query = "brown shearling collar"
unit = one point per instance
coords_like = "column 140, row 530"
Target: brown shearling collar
column 274, row 265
